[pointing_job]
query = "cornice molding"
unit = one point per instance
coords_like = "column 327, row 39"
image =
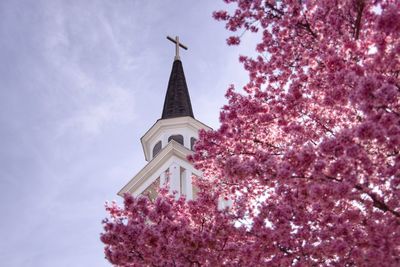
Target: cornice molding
column 172, row 149
column 170, row 124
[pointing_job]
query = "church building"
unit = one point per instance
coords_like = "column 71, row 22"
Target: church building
column 169, row 141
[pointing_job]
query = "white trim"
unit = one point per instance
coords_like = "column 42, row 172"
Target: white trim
column 187, row 122
column 173, row 152
column 162, row 178
column 188, row 187
column 175, row 178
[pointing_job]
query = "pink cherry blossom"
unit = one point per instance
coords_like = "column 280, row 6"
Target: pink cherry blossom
column 308, row 154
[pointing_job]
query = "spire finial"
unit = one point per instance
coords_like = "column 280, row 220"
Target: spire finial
column 177, row 45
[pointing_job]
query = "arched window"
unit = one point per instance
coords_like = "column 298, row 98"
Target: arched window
column 156, row 148
column 192, row 141
column 178, row 138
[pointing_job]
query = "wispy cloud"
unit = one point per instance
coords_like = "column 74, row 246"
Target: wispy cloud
column 117, row 106
column 94, row 98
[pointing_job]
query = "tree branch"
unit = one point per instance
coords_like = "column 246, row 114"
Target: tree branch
column 377, row 203
column 270, row 6
column 360, row 4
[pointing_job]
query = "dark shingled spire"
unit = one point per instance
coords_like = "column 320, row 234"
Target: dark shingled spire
column 177, row 100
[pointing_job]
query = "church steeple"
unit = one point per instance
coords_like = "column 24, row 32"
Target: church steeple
column 169, row 142
column 177, row 100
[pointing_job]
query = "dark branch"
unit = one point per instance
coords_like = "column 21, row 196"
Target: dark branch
column 307, row 27
column 270, row 6
column 379, row 204
column 360, row 4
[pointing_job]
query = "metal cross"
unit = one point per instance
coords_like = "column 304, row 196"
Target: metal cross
column 177, row 45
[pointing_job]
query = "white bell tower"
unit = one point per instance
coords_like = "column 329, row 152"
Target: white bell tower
column 169, row 141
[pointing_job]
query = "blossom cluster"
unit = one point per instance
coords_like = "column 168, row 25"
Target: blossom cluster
column 309, row 154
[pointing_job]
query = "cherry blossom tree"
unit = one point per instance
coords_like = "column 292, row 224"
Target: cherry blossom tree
column 308, row 153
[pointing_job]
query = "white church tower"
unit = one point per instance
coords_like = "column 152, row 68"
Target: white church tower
column 169, row 141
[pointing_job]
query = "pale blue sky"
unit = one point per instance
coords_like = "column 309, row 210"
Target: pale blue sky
column 80, row 83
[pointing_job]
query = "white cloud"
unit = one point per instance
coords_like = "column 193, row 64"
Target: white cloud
column 117, row 106
column 93, row 96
